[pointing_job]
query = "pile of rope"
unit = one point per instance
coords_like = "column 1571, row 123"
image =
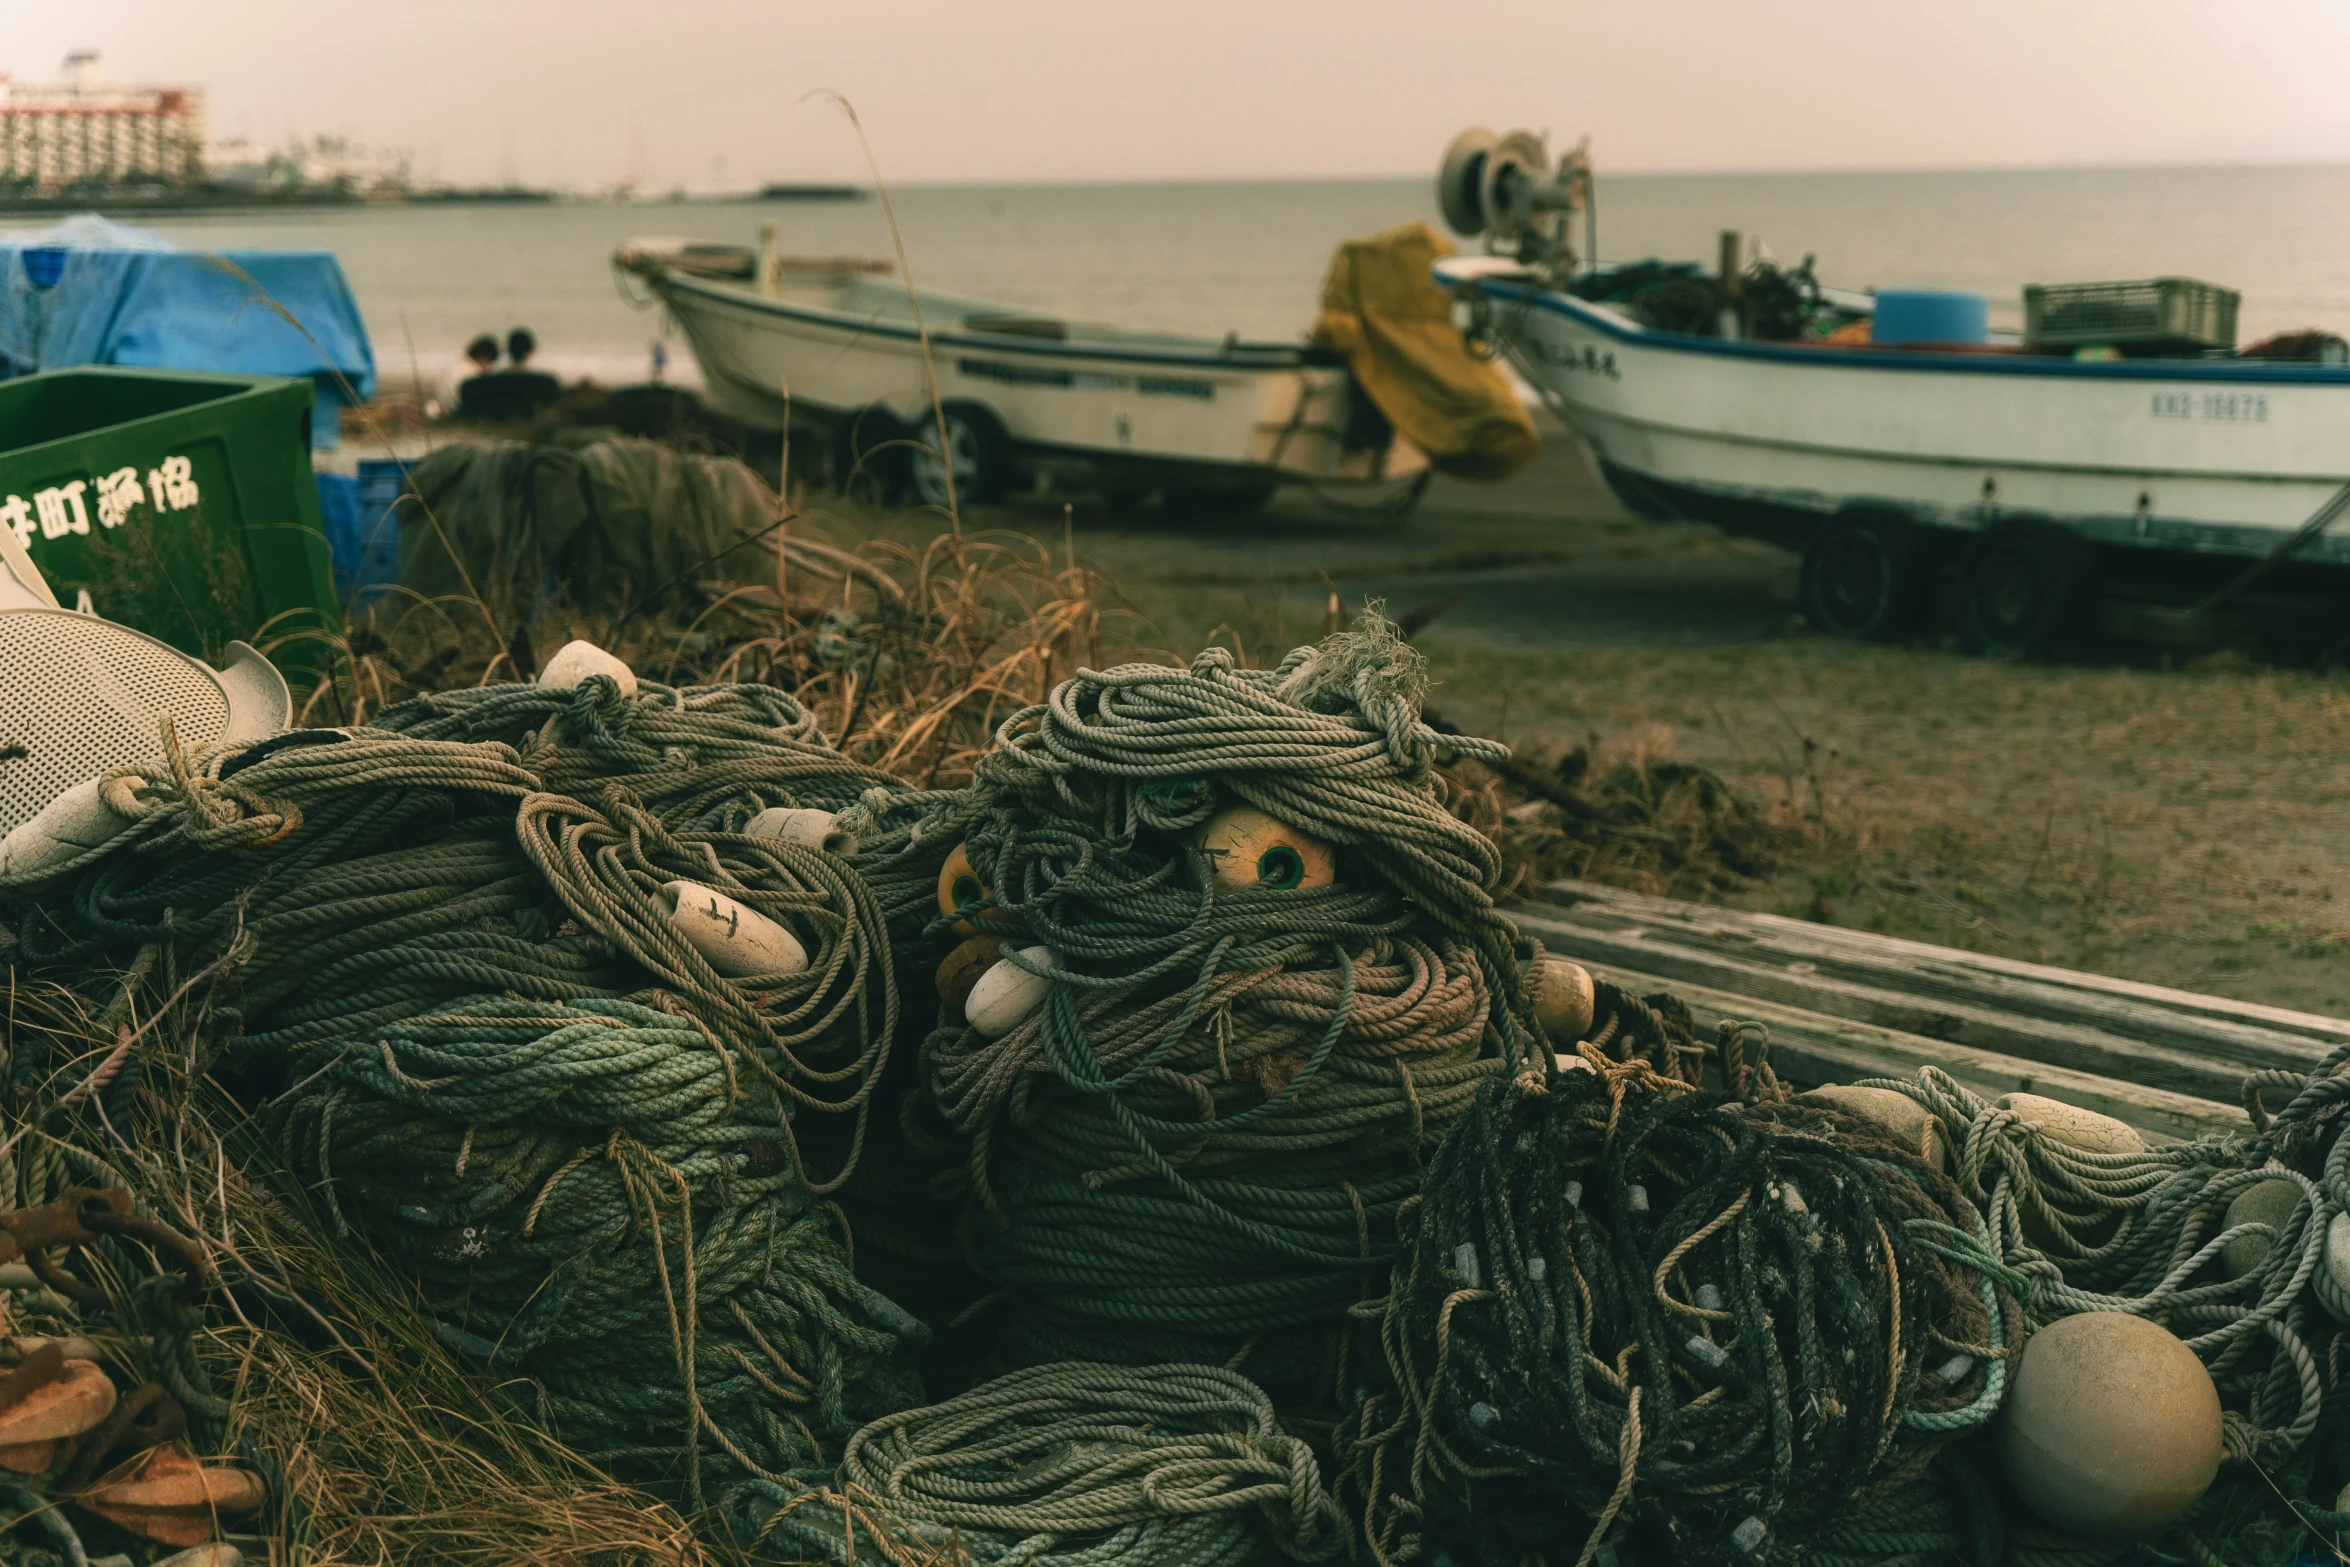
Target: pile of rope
column 1202, row 1137
column 1635, row 1320
column 1070, row 1465
column 437, row 951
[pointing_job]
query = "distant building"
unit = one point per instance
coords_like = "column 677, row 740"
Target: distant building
column 82, row 132
column 323, row 163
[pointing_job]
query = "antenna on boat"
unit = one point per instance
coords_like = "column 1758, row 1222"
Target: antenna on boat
column 1506, row 189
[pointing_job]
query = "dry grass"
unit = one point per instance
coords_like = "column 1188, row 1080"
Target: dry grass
column 909, row 651
column 1631, row 814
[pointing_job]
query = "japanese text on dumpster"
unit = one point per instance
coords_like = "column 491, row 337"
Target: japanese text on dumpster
column 66, row 508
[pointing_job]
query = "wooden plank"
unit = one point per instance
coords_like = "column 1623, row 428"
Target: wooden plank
column 1993, row 1028
column 2244, row 1032
column 1809, row 1048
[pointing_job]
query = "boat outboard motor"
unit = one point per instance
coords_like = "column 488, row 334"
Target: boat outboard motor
column 80, row 695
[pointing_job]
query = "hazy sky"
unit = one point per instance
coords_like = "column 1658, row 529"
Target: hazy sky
column 587, row 91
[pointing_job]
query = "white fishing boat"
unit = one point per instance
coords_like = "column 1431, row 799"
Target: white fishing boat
column 2115, row 448
column 836, row 348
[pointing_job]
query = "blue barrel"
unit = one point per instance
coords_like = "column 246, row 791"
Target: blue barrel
column 1929, row 315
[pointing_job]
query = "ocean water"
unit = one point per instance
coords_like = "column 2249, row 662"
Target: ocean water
column 1249, row 257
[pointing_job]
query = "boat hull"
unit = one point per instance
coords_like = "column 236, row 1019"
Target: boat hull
column 2202, row 457
column 1246, row 415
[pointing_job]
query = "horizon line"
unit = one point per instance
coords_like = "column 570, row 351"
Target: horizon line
column 1649, row 173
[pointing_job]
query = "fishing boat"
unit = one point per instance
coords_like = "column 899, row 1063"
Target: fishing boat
column 2116, row 457
column 844, row 349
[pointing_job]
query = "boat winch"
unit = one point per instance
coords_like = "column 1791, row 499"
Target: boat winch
column 1506, row 189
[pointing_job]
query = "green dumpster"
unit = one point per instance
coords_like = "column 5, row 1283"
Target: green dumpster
column 181, row 503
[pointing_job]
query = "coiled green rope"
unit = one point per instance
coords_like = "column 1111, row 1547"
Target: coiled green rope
column 1637, row 1315
column 1179, row 1188
column 700, row 756
column 484, row 1040
column 1078, row 1465
column 538, row 1168
column 1202, row 1136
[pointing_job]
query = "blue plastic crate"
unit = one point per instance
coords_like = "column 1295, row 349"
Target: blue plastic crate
column 362, row 517
column 382, row 481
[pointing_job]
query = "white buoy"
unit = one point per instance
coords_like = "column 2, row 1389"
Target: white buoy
column 69, row 826
column 2266, row 1202
column 2111, row 1427
column 737, row 940
column 1908, row 1121
column 809, row 828
column 575, row 661
column 2074, row 1126
column 1248, row 850
column 1007, row 993
column 1563, row 999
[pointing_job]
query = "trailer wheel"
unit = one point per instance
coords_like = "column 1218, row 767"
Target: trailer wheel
column 2025, row 588
column 1866, row 578
column 869, row 456
column 978, row 447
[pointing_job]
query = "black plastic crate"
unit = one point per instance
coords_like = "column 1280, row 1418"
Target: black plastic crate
column 2179, row 312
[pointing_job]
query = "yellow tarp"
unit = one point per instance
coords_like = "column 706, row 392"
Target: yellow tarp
column 1383, row 309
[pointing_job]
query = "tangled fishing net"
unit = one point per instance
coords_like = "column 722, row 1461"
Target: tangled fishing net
column 613, row 520
column 1635, row 1317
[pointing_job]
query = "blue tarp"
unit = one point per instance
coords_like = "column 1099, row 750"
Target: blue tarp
column 91, row 292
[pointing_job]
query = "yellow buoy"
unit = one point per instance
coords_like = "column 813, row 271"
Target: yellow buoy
column 959, row 887
column 2331, row 1283
column 1912, row 1127
column 2088, row 1131
column 2268, row 1202
column 1563, row 999
column 1247, row 850
column 2111, row 1427
column 2072, row 1125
